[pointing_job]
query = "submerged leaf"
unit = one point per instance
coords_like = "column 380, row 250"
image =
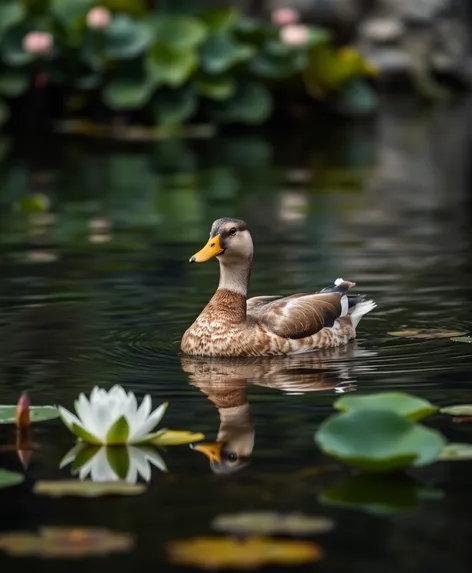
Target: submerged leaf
column 377, row 494
column 37, row 414
column 403, row 404
column 79, row 488
column 216, row 552
column 456, row 452
column 459, row 410
column 65, row 542
column 9, row 479
column 426, row 333
column 378, row 440
column 270, row 522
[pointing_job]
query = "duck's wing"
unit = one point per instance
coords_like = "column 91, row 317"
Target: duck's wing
column 301, row 315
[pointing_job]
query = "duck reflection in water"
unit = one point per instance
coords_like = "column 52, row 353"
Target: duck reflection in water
column 225, row 382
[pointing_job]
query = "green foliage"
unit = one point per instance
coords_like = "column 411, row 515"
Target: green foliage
column 400, row 403
column 378, row 440
column 37, row 414
column 176, row 63
column 8, row 479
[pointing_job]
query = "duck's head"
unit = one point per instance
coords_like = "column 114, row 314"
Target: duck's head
column 233, row 447
column 230, row 241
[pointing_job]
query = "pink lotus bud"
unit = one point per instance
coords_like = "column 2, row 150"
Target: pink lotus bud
column 98, row 18
column 23, row 412
column 37, row 42
column 285, row 16
column 294, row 35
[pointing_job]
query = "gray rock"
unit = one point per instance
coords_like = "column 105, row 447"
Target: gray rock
column 382, row 30
column 418, row 10
column 390, row 60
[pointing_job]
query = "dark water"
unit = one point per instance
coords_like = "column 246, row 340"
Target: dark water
column 98, row 290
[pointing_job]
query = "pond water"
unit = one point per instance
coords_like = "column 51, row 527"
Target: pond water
column 96, row 289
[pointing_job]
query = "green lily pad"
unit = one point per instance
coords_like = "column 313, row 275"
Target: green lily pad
column 216, row 87
column 460, row 410
column 37, row 414
column 426, row 333
column 221, row 52
column 466, row 339
column 9, row 479
column 129, row 93
column 175, row 108
column 251, row 104
column 11, row 13
column 126, row 38
column 65, row 542
column 170, row 67
column 180, row 33
column 78, row 488
column 403, row 404
column 456, row 452
column 378, row 440
column 377, row 494
column 271, row 523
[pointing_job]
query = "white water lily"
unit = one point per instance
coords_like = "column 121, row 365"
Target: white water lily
column 113, row 418
column 106, row 464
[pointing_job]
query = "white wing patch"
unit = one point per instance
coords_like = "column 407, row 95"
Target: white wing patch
column 344, row 305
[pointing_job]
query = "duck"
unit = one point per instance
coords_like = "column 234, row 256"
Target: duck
column 232, row 325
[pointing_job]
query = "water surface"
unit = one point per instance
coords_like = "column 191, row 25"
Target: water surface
column 97, row 290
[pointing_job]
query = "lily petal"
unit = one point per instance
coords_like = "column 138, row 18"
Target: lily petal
column 68, row 418
column 150, row 423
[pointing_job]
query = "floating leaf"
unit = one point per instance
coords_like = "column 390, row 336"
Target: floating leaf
column 377, row 494
column 37, row 414
column 460, row 410
column 177, row 438
column 466, row 339
column 128, row 93
column 11, row 12
column 126, row 38
column 426, row 333
column 456, row 452
column 378, row 440
column 62, row 488
column 215, row 87
column 175, row 108
column 270, row 523
column 179, row 33
column 220, row 19
column 65, row 542
column 170, row 67
column 219, row 553
column 403, row 404
column 9, row 479
column 251, row 104
column 221, row 52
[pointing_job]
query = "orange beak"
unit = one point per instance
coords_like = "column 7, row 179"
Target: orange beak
column 212, row 450
column 212, row 249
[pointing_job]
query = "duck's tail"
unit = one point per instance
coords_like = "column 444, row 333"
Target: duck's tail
column 360, row 309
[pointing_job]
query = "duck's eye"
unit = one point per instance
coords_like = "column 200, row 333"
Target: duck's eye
column 233, row 231
column 232, row 457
